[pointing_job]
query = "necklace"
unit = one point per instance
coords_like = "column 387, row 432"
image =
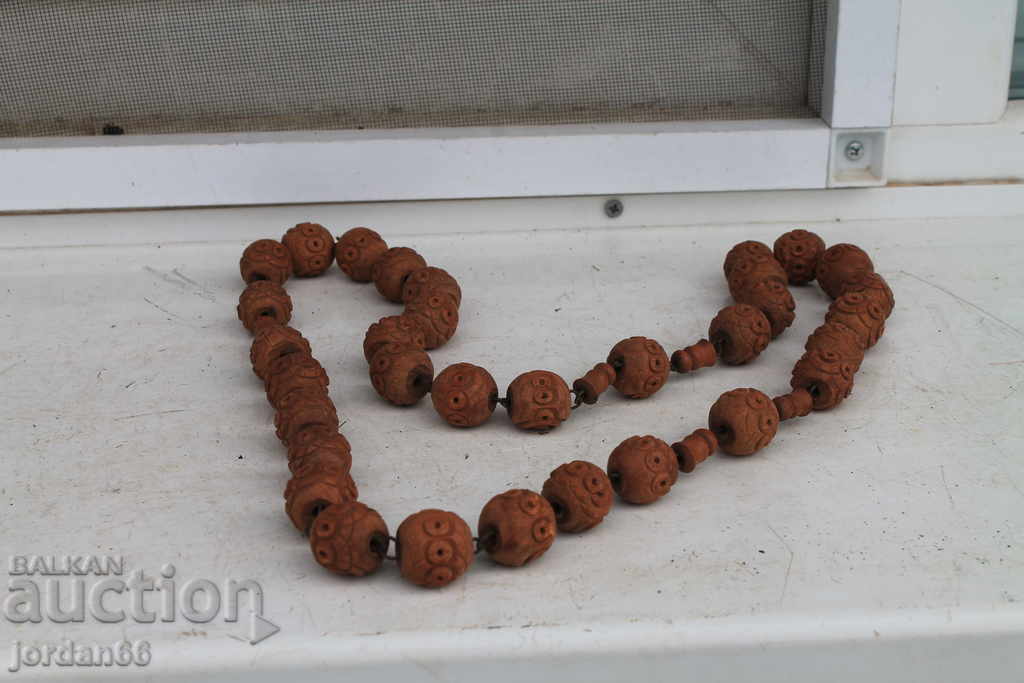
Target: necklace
column 434, row 547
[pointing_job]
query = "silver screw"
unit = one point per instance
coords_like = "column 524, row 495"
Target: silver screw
column 854, row 150
column 613, row 208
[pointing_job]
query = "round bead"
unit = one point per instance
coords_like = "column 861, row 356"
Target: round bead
column 317, row 442
column 464, row 395
column 293, row 372
column 303, row 408
column 772, row 298
column 264, row 301
column 798, row 252
column 538, row 401
column 748, row 272
column 826, row 375
column 392, row 268
column 349, row 538
column 311, row 246
column 580, row 495
column 270, row 343
column 874, row 286
column 590, row 386
column 641, row 366
column 357, row 250
column 430, row 280
column 739, row 333
column 434, row 548
column 314, row 486
column 401, row 374
column 838, row 339
column 744, row 421
column 745, row 250
column 394, row 329
column 862, row 314
column 516, row 527
column 435, row 314
column 642, row 469
column 839, row 265
column 265, row 260
column 694, row 449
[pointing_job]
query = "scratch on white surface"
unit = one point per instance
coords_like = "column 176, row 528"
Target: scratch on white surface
column 161, row 308
column 789, row 567
column 1009, row 362
column 159, row 412
column 966, row 303
column 11, row 367
column 942, row 471
column 183, row 282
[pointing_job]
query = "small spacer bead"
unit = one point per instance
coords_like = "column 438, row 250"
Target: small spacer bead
column 796, row 403
column 695, row 449
column 590, row 386
column 699, row 355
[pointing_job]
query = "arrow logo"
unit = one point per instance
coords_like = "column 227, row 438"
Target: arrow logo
column 260, row 629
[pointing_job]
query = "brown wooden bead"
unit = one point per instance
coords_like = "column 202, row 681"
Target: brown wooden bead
column 538, row 401
column 394, row 329
column 862, row 314
column 302, row 408
column 590, row 386
column 265, row 260
column 873, row 286
column 263, row 301
column 430, row 280
column 311, row 246
column 357, row 250
column 745, row 250
column 464, row 395
column 694, row 357
column 837, row 339
column 349, row 538
column 392, row 268
column 516, row 527
column 434, row 548
column 293, row 372
column 826, row 375
column 401, row 374
column 270, row 343
column 798, row 252
column 739, row 333
column 315, row 485
column 317, row 442
column 748, row 272
column 839, row 265
column 641, row 366
column 694, row 449
column 580, row 494
column 796, row 403
column 642, row 469
column 744, row 421
column 772, row 298
column 435, row 314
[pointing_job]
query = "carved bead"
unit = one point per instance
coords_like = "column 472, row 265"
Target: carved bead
column 311, row 246
column 642, row 469
column 435, row 314
column 538, row 401
column 826, row 375
column 430, row 280
column 265, row 260
column 590, row 386
column 349, row 538
column 262, row 301
column 739, row 333
column 748, row 272
column 303, row 408
column 580, row 495
column 641, row 366
column 798, row 252
column 394, row 329
column 745, row 250
column 837, row 339
column 516, row 527
column 873, row 286
column 357, row 250
column 293, row 372
column 314, row 486
column 319, row 442
column 694, row 357
column 434, row 548
column 796, row 403
column 860, row 313
column 744, row 421
column 392, row 268
column 401, row 374
column 270, row 343
column 839, row 265
column 464, row 395
column 694, row 449
column 772, row 298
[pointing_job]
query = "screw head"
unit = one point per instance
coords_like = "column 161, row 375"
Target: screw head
column 854, row 150
column 613, row 208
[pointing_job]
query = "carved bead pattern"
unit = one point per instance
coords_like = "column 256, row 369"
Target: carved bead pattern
column 874, row 286
column 430, row 280
column 745, row 250
column 694, row 357
column 320, row 442
column 302, row 408
column 265, row 260
column 642, row 469
column 262, row 301
column 391, row 269
column 538, row 401
column 357, row 250
column 694, row 449
column 311, row 246
column 464, row 395
column 349, row 538
column 394, row 329
column 739, row 333
column 641, row 366
column 401, row 374
column 436, row 315
column 839, row 340
column 862, row 314
column 748, row 272
column 590, row 386
column 798, row 252
column 744, row 421
column 839, row 265
column 796, row 403
column 516, row 527
column 580, row 495
column 434, row 548
column 270, row 343
column 315, row 485
column 772, row 298
column 293, row 372
column 826, row 375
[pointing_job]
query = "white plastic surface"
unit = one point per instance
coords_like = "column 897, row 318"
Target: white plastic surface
column 881, row 541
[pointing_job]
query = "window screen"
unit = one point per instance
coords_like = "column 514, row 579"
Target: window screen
column 158, row 66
